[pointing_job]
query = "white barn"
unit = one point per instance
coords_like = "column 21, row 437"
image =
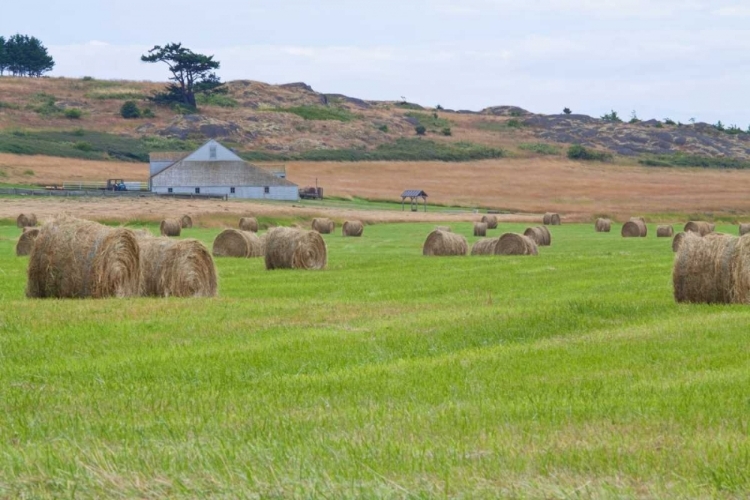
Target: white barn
column 214, row 169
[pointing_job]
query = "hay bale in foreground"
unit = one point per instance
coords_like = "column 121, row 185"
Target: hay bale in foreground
column 700, row 227
column 708, row 269
column 186, row 222
column 74, row 258
column 603, row 225
column 490, row 220
column 480, row 229
column 170, row 227
column 26, row 220
column 352, row 228
column 551, row 219
column 235, row 243
column 664, row 231
column 744, row 229
column 249, row 224
column 484, row 247
column 323, row 226
column 634, row 228
column 515, row 244
column 288, row 248
column 539, row 235
column 677, row 241
column 176, row 268
column 445, row 244
column 26, row 241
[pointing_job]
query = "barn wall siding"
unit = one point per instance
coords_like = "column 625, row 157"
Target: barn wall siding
column 283, row 193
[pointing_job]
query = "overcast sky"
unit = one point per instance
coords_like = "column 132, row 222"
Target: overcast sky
column 680, row 59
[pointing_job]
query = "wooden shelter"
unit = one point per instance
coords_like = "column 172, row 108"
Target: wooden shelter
column 414, row 196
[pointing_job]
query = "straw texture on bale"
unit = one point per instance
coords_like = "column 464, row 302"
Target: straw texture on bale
column 490, row 220
column 744, row 229
column 352, row 228
column 664, row 231
column 603, row 225
column 677, row 241
column 288, row 248
column 551, row 219
column 74, row 258
column 170, row 227
column 485, row 246
column 26, row 220
column 480, row 229
column 539, row 235
column 700, row 227
column 515, row 244
column 444, row 244
column 634, row 228
column 323, row 226
column 186, row 222
column 26, row 241
column 249, row 224
column 236, row 243
column 176, row 268
column 639, row 218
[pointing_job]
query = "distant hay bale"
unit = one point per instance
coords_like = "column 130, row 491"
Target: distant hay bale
column 445, row 244
column 263, row 238
column 634, row 228
column 539, row 235
column 677, row 241
column 639, row 218
column 352, row 228
column 288, row 248
column 445, row 229
column 249, row 224
column 551, row 219
column 664, row 231
column 744, row 229
column 480, row 229
column 74, row 258
column 186, row 222
column 323, row 226
column 490, row 220
column 603, row 225
column 26, row 241
column 26, row 220
column 170, row 227
column 176, row 268
column 515, row 244
column 700, row 227
column 236, row 243
column 706, row 269
column 485, row 246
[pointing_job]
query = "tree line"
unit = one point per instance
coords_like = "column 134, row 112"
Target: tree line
column 23, row 55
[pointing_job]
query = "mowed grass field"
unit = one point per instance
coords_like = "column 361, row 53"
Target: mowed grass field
column 389, row 375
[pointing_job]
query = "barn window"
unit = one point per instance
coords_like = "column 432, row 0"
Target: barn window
column 231, row 190
column 212, row 152
column 197, row 190
column 266, row 189
column 169, row 190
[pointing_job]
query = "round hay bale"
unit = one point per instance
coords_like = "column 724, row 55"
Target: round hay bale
column 744, row 229
column 480, row 229
column 634, row 228
column 170, row 227
column 176, row 268
column 445, row 229
column 539, row 235
column 603, row 225
column 740, row 291
column 26, row 220
column 490, row 220
column 677, row 241
column 551, row 219
column 26, row 241
column 323, row 226
column 352, row 228
column 515, row 244
column 288, row 248
column 664, row 231
column 249, row 224
column 444, row 244
column 74, row 258
column 700, row 227
column 485, row 246
column 236, row 243
column 186, row 222
column 703, row 269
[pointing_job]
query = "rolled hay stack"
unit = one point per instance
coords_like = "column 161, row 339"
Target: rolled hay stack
column 26, row 220
column 712, row 269
column 74, row 258
column 539, row 235
column 634, row 228
column 664, row 231
column 744, row 229
column 170, row 227
column 603, row 225
column 249, row 224
column 323, row 226
column 490, row 220
column 700, row 227
column 263, row 239
column 176, row 268
column 677, row 241
column 352, row 228
column 515, row 244
column 484, row 247
column 186, row 222
column 445, row 244
column 480, row 229
column 551, row 219
column 26, row 241
column 445, row 229
column 288, row 248
column 240, row 244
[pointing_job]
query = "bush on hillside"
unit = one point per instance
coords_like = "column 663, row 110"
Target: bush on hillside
column 129, row 110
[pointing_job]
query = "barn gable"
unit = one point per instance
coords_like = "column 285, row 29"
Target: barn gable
column 212, row 151
column 216, row 173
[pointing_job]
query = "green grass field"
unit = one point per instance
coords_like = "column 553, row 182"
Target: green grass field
column 389, row 375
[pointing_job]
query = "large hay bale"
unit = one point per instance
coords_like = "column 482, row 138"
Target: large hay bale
column 539, row 235
column 249, row 224
column 664, row 231
column 634, row 228
column 490, row 220
column 323, row 226
column 677, row 241
column 288, row 248
column 170, row 227
column 444, row 244
column 26, row 241
column 176, row 268
column 704, row 269
column 352, row 228
column 236, row 243
column 551, row 219
column 485, row 246
column 186, row 222
column 26, row 220
column 480, row 229
column 603, row 225
column 74, row 258
column 700, row 227
column 515, row 244
column 744, row 229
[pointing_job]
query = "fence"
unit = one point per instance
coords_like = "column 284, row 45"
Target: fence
column 84, row 186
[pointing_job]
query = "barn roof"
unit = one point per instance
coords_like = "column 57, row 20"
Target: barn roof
column 249, row 174
column 168, row 156
column 413, row 193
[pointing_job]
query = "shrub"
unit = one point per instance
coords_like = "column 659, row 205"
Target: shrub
column 129, row 110
column 578, row 152
column 514, row 123
column 446, row 131
column 719, row 126
column 383, row 128
column 87, row 78
column 611, row 117
column 420, row 130
column 669, row 121
column 83, row 146
column 73, row 113
column 567, row 111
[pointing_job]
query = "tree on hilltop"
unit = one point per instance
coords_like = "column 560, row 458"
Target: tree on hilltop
column 24, row 55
